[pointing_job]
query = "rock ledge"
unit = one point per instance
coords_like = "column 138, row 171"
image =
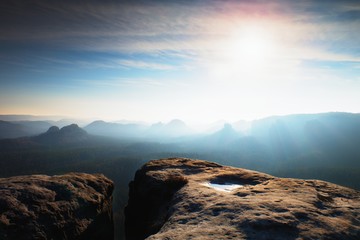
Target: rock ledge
column 169, row 200
column 71, row 206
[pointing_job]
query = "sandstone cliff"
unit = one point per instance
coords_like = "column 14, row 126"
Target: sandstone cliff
column 194, row 199
column 71, row 206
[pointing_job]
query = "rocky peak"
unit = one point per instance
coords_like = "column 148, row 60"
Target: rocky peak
column 176, row 123
column 222, row 138
column 72, row 128
column 193, row 199
column 71, row 206
column 53, row 129
column 98, row 122
column 68, row 134
column 174, row 128
column 228, row 129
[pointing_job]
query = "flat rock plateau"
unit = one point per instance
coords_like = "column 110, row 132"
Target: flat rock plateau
column 71, row 206
column 192, row 199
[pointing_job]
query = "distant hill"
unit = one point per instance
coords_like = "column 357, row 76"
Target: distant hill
column 71, row 135
column 22, row 128
column 311, row 146
column 34, row 127
column 158, row 131
column 292, row 142
column 67, row 121
column 222, row 138
column 11, row 130
column 66, row 135
column 172, row 129
column 117, row 130
column 334, row 134
column 226, row 134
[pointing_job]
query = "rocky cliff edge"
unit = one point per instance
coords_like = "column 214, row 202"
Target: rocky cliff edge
column 193, row 199
column 71, row 206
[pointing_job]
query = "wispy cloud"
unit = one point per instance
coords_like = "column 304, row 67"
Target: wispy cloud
column 145, row 65
column 113, row 63
column 140, row 82
column 123, row 82
column 192, row 29
column 137, row 51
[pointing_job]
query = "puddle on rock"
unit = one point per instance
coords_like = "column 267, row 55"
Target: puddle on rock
column 226, row 187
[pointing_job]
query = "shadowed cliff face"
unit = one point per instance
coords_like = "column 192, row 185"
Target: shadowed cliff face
column 186, row 199
column 71, row 206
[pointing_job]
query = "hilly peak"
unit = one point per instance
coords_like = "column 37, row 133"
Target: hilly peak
column 98, row 122
column 73, row 128
column 53, row 129
column 176, row 123
column 174, row 128
column 11, row 130
column 68, row 134
column 113, row 129
column 223, row 137
column 227, row 131
column 172, row 123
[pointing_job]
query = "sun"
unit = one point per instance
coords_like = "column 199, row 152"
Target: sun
column 249, row 47
column 244, row 51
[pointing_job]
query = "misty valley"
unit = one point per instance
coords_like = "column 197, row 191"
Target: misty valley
column 154, row 119
column 310, row 146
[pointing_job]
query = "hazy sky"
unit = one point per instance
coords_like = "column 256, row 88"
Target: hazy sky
column 194, row 60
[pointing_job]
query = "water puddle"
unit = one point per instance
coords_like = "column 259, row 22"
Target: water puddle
column 226, row 187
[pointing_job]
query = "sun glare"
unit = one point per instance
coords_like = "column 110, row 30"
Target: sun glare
column 244, row 51
column 250, row 47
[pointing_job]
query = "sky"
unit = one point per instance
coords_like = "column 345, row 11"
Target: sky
column 199, row 61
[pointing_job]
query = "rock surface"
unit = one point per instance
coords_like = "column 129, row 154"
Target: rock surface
column 71, row 206
column 173, row 199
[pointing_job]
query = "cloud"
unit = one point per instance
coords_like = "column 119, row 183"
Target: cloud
column 145, row 65
column 180, row 27
column 110, row 63
column 123, row 82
